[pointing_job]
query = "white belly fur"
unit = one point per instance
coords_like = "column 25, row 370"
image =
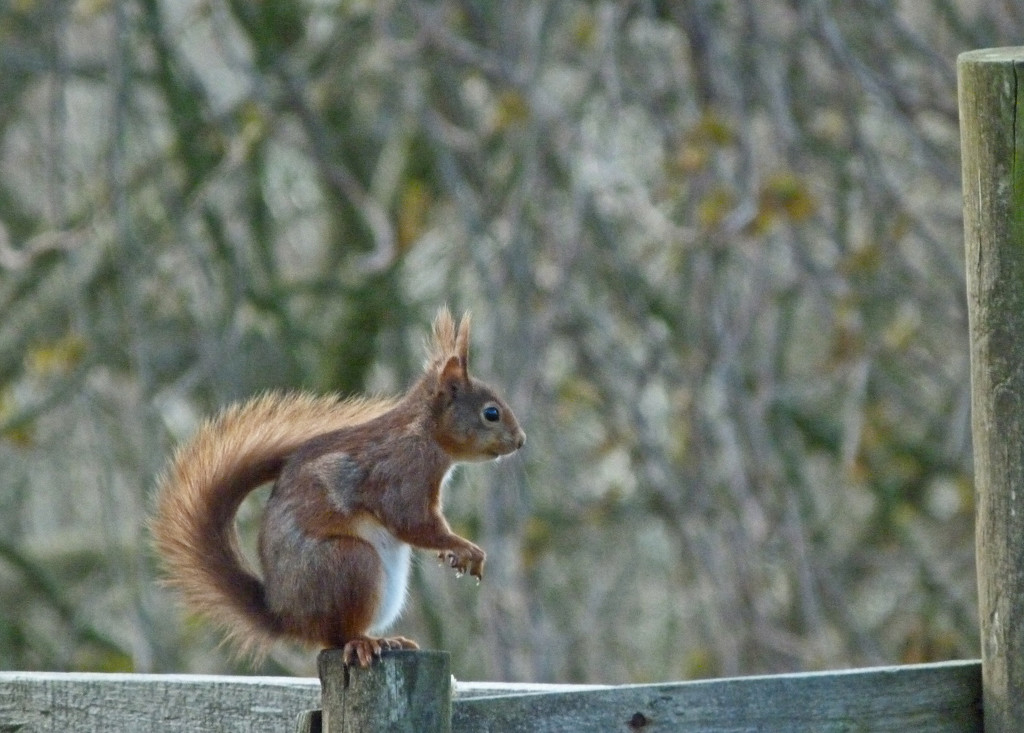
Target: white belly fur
column 394, row 555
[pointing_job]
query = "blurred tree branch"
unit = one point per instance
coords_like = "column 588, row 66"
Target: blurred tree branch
column 713, row 253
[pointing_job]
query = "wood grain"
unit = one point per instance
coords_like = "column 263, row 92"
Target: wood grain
column 991, row 96
column 32, row 702
column 931, row 697
column 402, row 692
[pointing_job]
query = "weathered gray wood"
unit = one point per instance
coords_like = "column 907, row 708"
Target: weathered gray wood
column 310, row 721
column 403, row 692
column 991, row 85
column 940, row 697
column 33, row 702
column 466, row 690
column 932, row 698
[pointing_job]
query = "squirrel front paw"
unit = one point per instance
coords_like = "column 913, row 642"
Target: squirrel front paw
column 467, row 559
column 362, row 649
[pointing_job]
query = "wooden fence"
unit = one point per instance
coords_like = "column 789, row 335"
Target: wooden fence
column 930, row 697
column 413, row 691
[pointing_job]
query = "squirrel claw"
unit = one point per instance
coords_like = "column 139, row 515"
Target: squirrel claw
column 464, row 562
column 362, row 649
column 395, row 643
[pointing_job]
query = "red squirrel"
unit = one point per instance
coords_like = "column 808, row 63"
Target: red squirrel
column 357, row 482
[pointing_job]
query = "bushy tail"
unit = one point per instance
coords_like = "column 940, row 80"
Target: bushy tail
column 199, row 492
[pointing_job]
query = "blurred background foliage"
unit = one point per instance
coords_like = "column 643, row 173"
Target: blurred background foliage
column 714, row 254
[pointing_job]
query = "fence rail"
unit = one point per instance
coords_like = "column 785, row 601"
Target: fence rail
column 930, row 697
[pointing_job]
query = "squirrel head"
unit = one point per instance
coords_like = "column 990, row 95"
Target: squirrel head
column 470, row 421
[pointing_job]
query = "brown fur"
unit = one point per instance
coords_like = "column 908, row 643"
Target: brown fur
column 354, row 480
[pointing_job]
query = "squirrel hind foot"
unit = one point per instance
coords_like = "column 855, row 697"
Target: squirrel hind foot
column 363, row 649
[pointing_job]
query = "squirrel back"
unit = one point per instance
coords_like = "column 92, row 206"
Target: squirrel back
column 320, row 517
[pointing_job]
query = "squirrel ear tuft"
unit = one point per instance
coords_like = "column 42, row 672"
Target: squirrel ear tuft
column 453, row 372
column 444, row 332
column 462, row 341
column 450, row 341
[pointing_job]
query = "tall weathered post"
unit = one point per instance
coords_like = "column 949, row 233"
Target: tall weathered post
column 991, row 84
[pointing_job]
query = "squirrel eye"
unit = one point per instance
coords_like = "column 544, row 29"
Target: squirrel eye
column 491, row 413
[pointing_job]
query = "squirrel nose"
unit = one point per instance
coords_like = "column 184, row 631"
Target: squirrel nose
column 520, row 440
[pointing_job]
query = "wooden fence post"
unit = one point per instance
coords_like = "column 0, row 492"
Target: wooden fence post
column 991, row 88
column 403, row 691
